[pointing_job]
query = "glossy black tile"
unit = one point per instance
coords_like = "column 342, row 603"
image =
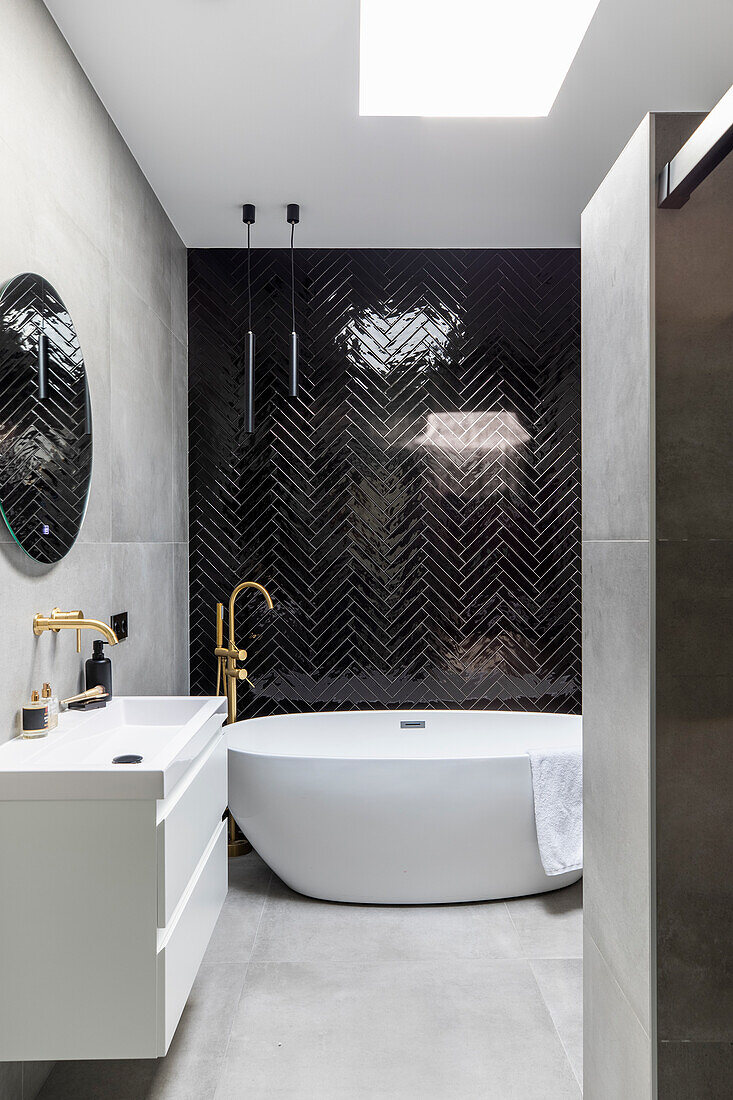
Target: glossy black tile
column 416, row 513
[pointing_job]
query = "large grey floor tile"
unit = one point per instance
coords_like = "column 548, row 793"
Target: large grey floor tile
column 561, row 985
column 550, row 925
column 235, row 931
column 188, row 1076
column 297, row 928
column 206, row 1022
column 342, row 1002
column 456, row 1028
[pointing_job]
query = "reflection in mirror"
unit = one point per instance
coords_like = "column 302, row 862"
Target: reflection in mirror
column 45, row 420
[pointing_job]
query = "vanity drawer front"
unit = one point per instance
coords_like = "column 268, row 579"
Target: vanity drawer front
column 186, row 821
column 183, row 945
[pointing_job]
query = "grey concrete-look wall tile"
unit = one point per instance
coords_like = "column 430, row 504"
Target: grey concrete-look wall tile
column 694, row 779
column 56, row 122
column 616, row 754
column 616, row 345
column 179, row 414
column 671, row 129
column 142, row 428
column 703, row 1071
column 80, row 274
column 11, row 1080
column 694, row 589
column 694, row 335
column 140, row 232
column 181, row 677
column 16, row 195
column 695, row 607
column 35, row 1075
column 179, row 288
column 80, row 580
column 142, row 585
column 617, row 1051
column 58, row 224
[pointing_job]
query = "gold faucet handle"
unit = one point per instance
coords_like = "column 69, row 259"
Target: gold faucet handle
column 236, row 673
column 66, row 615
column 231, row 651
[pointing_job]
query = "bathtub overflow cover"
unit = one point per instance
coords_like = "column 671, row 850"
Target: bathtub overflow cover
column 412, row 725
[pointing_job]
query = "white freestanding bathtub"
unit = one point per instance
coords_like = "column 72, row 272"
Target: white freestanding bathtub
column 359, row 807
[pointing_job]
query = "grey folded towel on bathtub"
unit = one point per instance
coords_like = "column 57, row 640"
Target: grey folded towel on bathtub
column 557, row 782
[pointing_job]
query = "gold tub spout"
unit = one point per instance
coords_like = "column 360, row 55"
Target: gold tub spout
column 72, row 620
column 229, row 657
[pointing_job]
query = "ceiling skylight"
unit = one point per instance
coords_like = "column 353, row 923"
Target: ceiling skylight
column 467, row 57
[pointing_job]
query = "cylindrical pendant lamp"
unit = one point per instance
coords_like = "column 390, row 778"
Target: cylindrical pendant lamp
column 248, row 217
column 294, row 377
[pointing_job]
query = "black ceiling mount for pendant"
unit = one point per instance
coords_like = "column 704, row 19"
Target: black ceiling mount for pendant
column 248, row 217
column 293, row 216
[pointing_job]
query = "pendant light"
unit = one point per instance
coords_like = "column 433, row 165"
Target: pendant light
column 248, row 217
column 43, row 351
column 293, row 219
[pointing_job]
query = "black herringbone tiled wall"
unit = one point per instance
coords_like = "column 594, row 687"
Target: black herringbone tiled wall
column 419, row 554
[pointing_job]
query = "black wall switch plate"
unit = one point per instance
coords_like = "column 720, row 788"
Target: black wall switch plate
column 119, row 625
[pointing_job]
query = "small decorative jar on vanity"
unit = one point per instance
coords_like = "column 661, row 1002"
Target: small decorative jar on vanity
column 112, row 877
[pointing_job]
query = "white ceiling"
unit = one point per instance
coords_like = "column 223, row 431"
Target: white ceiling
column 232, row 101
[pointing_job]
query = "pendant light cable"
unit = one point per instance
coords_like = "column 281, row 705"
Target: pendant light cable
column 249, row 278
column 292, row 272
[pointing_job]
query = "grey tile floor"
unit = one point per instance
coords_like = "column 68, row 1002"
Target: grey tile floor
column 304, row 1000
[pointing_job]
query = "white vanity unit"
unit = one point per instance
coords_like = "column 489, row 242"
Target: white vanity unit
column 112, row 877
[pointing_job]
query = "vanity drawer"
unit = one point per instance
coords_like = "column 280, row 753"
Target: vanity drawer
column 186, row 821
column 183, row 945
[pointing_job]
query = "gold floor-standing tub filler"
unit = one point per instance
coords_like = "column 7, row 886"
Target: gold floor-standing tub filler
column 228, row 675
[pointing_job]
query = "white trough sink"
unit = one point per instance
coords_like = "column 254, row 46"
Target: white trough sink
column 75, row 760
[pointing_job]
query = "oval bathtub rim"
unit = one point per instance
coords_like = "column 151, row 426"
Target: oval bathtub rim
column 335, row 756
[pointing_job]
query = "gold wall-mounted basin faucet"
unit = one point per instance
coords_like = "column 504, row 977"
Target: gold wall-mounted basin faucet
column 72, row 620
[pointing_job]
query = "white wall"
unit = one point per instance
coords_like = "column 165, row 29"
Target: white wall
column 75, row 207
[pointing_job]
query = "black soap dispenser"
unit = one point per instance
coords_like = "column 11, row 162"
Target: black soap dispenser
column 98, row 669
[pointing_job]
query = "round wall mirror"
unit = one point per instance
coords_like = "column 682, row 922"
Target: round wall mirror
column 45, row 420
